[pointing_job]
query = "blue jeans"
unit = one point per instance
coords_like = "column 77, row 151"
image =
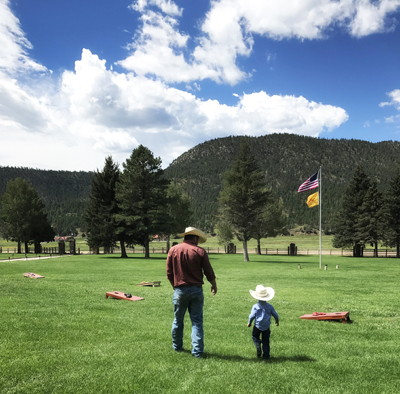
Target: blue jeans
column 264, row 340
column 188, row 298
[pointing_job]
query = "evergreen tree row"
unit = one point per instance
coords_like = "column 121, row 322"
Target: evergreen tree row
column 286, row 160
column 22, row 216
column 132, row 206
column 367, row 217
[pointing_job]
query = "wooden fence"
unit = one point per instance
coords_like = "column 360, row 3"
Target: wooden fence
column 264, row 251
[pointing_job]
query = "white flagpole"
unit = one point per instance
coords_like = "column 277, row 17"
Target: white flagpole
column 320, row 214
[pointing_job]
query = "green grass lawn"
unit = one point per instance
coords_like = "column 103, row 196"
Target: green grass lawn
column 61, row 335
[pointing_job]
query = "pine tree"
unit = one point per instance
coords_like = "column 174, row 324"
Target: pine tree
column 142, row 197
column 347, row 220
column 178, row 212
column 244, row 196
column 224, row 231
column 391, row 214
column 369, row 223
column 102, row 226
column 23, row 215
column 271, row 222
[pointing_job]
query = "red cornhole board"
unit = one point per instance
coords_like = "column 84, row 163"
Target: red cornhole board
column 343, row 316
column 32, row 275
column 121, row 296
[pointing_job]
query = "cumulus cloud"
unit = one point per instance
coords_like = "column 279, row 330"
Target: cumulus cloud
column 93, row 110
column 111, row 113
column 14, row 45
column 227, row 31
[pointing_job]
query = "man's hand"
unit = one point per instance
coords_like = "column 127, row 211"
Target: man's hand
column 213, row 287
column 248, row 324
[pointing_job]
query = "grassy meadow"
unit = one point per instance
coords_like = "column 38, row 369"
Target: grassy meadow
column 61, row 335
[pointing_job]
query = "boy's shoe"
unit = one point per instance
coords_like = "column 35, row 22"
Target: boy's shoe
column 258, row 352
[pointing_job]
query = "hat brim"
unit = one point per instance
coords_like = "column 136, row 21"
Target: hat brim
column 198, row 233
column 268, row 297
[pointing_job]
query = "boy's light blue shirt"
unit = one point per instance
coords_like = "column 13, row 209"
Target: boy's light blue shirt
column 261, row 313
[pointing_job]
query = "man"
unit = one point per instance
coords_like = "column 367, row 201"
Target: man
column 186, row 264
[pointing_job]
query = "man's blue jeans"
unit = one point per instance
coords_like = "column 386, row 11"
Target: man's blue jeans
column 188, row 298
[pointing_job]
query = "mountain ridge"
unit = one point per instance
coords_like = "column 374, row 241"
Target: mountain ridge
column 287, row 160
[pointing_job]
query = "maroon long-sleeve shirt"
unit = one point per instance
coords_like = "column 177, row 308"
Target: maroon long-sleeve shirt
column 186, row 264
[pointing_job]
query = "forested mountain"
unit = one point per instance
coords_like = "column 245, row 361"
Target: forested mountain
column 287, row 161
column 64, row 194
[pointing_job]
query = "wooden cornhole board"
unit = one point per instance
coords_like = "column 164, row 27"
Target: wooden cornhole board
column 343, row 316
column 32, row 275
column 121, row 296
column 152, row 284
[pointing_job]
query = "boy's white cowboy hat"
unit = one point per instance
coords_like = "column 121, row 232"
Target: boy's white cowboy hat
column 195, row 231
column 263, row 293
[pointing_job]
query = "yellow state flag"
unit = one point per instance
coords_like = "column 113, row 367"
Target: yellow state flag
column 312, row 200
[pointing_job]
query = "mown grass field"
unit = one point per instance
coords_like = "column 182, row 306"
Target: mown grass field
column 61, row 335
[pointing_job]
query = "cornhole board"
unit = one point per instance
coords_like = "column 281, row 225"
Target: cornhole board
column 121, row 296
column 343, row 316
column 32, row 275
column 152, row 284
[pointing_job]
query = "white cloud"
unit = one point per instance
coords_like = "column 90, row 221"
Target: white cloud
column 98, row 112
column 166, row 6
column 373, row 17
column 259, row 114
column 227, row 31
column 393, row 119
column 14, row 45
column 395, row 99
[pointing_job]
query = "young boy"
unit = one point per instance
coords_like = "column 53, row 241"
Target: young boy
column 261, row 313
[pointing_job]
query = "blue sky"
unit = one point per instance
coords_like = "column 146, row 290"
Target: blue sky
column 81, row 80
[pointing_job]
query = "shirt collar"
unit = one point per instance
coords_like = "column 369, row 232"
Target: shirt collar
column 189, row 241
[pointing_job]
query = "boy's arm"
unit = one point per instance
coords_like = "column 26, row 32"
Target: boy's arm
column 252, row 316
column 276, row 317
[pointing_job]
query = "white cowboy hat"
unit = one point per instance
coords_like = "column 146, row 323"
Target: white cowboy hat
column 195, row 231
column 263, row 293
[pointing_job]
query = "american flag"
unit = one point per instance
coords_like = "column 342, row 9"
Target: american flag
column 310, row 183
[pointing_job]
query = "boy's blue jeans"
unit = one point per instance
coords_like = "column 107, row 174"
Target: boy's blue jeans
column 188, row 298
column 264, row 340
